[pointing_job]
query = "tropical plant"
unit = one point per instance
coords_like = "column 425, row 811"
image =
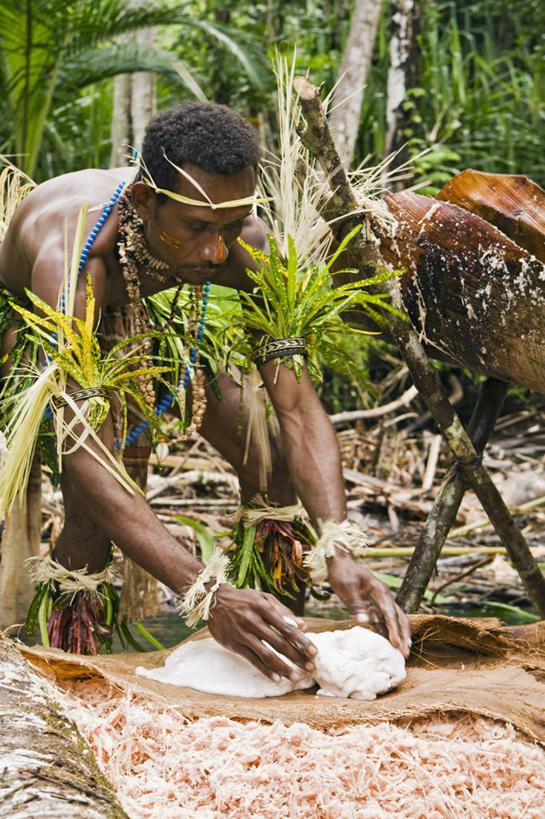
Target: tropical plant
column 50, row 51
column 14, row 186
column 480, row 98
column 71, row 351
column 296, row 300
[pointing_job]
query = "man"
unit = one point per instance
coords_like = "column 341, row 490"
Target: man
column 191, row 201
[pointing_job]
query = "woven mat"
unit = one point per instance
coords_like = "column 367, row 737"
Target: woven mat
column 456, row 665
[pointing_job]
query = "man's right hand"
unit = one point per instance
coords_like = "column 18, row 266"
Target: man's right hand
column 244, row 620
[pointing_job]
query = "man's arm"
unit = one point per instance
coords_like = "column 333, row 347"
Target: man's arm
column 240, row 619
column 315, row 468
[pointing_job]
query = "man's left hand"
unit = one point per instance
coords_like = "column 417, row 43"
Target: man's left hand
column 369, row 600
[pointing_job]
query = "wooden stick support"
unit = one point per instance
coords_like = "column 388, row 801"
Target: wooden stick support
column 318, row 140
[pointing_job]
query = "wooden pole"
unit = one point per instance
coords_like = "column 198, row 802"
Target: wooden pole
column 446, row 504
column 318, row 140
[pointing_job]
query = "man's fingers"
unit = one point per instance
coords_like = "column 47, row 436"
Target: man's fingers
column 404, row 631
column 299, row 654
column 383, row 614
column 265, row 659
column 289, row 629
column 393, row 624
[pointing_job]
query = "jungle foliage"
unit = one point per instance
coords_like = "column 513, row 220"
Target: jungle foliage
column 480, row 101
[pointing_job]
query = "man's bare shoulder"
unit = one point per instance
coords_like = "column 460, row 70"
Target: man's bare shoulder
column 91, row 186
column 51, row 210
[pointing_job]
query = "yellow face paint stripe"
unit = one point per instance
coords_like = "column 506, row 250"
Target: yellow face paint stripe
column 169, row 240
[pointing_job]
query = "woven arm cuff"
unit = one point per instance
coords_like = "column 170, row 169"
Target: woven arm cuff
column 279, row 348
column 81, row 395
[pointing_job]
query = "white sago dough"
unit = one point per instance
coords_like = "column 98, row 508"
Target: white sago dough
column 355, row 663
column 208, row 667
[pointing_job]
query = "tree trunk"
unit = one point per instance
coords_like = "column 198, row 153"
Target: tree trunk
column 21, row 539
column 346, row 107
column 134, row 105
column 416, row 246
column 120, row 131
column 143, row 93
column 46, row 767
column 404, row 71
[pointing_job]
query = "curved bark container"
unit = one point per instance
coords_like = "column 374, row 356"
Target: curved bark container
column 476, row 297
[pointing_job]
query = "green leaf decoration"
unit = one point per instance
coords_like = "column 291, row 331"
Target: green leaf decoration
column 295, row 299
column 206, row 541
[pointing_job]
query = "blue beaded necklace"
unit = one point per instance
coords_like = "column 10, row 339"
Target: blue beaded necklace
column 168, row 400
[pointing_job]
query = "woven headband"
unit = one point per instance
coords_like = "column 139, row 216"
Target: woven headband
column 186, row 200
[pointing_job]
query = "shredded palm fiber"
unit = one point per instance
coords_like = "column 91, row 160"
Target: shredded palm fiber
column 167, row 768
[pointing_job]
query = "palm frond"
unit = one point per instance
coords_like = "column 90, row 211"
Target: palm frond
column 72, row 352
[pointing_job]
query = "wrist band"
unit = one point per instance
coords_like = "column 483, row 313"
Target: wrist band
column 347, row 536
column 279, row 348
column 197, row 602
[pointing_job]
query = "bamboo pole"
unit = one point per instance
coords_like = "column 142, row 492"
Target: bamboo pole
column 318, row 140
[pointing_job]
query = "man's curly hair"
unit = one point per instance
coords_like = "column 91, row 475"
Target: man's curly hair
column 213, row 137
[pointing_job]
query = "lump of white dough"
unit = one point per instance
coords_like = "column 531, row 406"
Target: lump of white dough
column 356, row 663
column 207, row 666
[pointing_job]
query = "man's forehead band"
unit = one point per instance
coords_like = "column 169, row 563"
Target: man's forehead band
column 186, row 200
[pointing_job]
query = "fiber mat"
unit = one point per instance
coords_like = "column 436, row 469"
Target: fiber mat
column 456, row 665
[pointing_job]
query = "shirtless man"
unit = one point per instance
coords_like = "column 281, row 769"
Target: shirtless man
column 219, row 151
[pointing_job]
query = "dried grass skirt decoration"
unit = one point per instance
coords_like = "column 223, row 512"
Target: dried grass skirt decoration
column 269, row 544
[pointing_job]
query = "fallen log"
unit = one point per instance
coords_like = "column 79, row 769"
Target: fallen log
column 46, row 767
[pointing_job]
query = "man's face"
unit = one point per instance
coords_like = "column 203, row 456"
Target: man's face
column 196, row 240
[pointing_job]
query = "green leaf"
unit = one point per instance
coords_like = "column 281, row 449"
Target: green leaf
column 246, row 551
column 394, row 582
column 206, row 541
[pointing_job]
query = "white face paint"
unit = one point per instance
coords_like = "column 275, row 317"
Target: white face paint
column 356, row 663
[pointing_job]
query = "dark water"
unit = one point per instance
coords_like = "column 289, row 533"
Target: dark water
column 508, row 616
